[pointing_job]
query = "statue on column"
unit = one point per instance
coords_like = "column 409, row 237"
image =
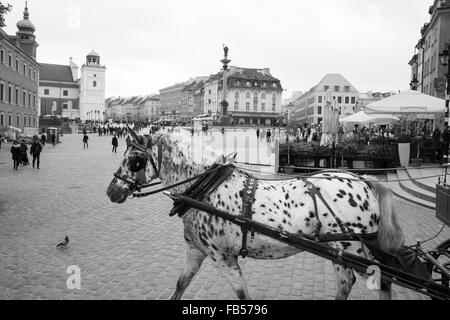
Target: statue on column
column 225, row 51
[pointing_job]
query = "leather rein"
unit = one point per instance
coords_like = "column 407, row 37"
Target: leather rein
column 135, row 186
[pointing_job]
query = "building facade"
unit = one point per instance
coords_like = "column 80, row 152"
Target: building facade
column 59, row 90
column 62, row 92
column 170, row 100
column 254, row 96
column 137, row 108
column 19, row 77
column 308, row 108
column 426, row 68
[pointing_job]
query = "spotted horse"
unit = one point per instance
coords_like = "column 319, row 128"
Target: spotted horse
column 287, row 205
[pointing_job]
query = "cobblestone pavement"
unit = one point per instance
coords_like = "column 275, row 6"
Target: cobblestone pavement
column 134, row 250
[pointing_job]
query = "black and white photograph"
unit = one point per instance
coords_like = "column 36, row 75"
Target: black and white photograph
column 214, row 151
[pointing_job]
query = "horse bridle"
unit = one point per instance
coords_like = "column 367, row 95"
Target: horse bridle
column 135, row 186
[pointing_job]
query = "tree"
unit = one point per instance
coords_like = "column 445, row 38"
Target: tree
column 4, row 9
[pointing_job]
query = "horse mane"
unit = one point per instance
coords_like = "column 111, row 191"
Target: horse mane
column 182, row 143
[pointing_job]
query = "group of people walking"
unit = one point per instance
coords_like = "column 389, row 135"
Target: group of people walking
column 19, row 153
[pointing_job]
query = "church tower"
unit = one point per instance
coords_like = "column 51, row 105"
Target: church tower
column 92, row 89
column 25, row 34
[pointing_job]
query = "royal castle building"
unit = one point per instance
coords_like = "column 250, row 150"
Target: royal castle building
column 19, row 78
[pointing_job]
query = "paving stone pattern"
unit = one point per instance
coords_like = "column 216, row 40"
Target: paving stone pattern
column 133, row 250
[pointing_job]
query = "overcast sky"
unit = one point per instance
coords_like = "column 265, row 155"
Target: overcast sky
column 148, row 45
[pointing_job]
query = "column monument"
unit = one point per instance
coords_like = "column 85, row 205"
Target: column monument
column 224, row 104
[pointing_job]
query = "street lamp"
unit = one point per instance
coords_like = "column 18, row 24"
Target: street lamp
column 414, row 84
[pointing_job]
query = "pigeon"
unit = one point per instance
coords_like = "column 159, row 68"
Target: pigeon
column 64, row 243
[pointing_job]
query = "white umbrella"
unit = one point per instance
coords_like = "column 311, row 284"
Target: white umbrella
column 362, row 117
column 406, row 102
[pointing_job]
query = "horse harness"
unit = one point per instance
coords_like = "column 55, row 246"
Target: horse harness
column 214, row 177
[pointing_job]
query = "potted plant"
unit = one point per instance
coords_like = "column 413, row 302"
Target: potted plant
column 404, row 149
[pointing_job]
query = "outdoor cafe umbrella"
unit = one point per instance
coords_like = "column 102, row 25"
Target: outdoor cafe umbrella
column 362, row 117
column 407, row 102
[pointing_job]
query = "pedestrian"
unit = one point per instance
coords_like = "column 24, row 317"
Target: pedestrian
column 192, row 132
column 257, row 134
column 15, row 151
column 85, row 141
column 128, row 140
column 53, row 139
column 269, row 134
column 35, row 151
column 23, row 153
column 84, row 130
column 445, row 143
column 43, row 138
column 115, row 144
column 437, row 137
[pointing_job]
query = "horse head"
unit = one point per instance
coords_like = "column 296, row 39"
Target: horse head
column 138, row 168
column 171, row 158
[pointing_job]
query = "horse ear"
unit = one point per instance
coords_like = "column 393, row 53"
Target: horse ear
column 133, row 134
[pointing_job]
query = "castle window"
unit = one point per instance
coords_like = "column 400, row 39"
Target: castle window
column 2, row 120
column 2, row 92
column 10, row 119
column 353, row 100
column 17, row 96
column 94, row 84
column 24, row 69
column 46, row 92
column 10, row 60
column 9, row 94
column 65, row 93
column 2, row 56
column 247, row 106
column 18, row 120
column 263, row 106
column 23, row 98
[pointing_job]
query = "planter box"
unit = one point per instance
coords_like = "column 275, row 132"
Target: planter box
column 443, row 203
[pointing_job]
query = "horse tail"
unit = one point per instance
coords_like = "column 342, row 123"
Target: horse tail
column 390, row 235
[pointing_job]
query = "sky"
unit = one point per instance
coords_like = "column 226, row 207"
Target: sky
column 147, row 45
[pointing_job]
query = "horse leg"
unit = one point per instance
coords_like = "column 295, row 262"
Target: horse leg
column 194, row 259
column 233, row 273
column 385, row 292
column 345, row 280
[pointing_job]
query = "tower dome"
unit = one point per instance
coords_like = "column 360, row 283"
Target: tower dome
column 93, row 58
column 25, row 26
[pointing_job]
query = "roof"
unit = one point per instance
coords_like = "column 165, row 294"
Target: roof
column 333, row 79
column 245, row 74
column 55, row 72
column 251, row 74
column 93, row 53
